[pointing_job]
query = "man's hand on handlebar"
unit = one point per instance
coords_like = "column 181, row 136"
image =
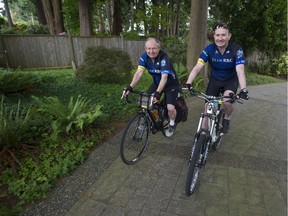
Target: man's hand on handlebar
column 156, row 98
column 243, row 94
column 188, row 87
column 126, row 91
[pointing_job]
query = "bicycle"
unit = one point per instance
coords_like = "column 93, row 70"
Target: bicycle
column 151, row 118
column 206, row 137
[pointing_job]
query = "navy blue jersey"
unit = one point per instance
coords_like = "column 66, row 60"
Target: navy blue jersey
column 223, row 67
column 161, row 65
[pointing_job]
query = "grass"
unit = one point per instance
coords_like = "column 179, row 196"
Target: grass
column 64, row 85
column 257, row 79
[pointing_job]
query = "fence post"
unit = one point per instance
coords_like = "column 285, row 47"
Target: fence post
column 4, row 52
column 122, row 41
column 74, row 64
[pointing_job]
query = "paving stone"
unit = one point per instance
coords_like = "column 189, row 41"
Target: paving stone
column 246, row 176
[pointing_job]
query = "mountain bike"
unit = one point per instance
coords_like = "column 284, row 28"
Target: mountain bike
column 208, row 134
column 152, row 118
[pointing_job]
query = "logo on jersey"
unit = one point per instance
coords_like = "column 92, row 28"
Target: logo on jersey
column 163, row 63
column 155, row 71
column 205, row 53
column 222, row 60
column 239, row 53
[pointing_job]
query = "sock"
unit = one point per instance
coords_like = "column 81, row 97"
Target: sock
column 172, row 122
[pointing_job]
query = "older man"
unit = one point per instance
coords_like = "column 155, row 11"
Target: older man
column 160, row 67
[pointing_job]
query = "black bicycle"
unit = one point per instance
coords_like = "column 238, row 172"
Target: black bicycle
column 208, row 134
column 152, row 118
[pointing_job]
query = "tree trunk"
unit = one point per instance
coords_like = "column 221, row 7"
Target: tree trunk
column 101, row 25
column 9, row 18
column 117, row 18
column 197, row 32
column 85, row 12
column 132, row 14
column 52, row 10
column 58, row 18
column 155, row 28
column 176, row 21
column 108, row 11
column 40, row 12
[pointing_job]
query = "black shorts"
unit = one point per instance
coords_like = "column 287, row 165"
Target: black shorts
column 171, row 94
column 214, row 86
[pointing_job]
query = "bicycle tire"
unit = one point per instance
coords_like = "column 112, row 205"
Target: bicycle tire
column 165, row 121
column 134, row 139
column 194, row 167
column 219, row 127
column 165, row 126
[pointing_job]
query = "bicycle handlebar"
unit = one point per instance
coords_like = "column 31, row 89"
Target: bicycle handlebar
column 207, row 98
column 141, row 93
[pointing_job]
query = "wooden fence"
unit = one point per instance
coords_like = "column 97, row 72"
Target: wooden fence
column 48, row 51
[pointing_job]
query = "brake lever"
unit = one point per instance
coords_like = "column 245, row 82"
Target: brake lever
column 123, row 94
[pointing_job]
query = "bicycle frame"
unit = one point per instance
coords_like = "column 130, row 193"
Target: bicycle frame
column 145, row 101
column 208, row 134
column 212, row 110
column 136, row 133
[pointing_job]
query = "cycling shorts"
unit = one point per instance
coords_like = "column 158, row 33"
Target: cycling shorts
column 171, row 94
column 214, row 86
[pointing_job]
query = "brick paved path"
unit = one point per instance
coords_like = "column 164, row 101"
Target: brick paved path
column 246, row 176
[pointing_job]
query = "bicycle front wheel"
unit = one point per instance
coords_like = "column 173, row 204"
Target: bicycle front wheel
column 219, row 126
column 134, row 139
column 194, row 165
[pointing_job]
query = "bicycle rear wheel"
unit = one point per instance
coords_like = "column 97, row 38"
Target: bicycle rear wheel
column 219, row 126
column 194, row 165
column 134, row 139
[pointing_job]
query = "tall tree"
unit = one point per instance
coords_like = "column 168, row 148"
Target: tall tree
column 71, row 17
column 7, row 9
column 53, row 14
column 117, row 18
column 197, row 31
column 85, row 14
column 132, row 14
column 109, row 12
column 40, row 12
column 264, row 23
column 100, row 25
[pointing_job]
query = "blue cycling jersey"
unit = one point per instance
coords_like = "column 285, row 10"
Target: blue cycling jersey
column 161, row 65
column 223, row 67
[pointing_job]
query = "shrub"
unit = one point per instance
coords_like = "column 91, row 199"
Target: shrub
column 103, row 65
column 35, row 178
column 16, row 82
column 175, row 47
column 279, row 66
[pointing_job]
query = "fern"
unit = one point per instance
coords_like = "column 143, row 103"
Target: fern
column 13, row 125
column 182, row 72
column 68, row 117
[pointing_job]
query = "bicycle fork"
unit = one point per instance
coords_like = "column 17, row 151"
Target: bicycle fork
column 210, row 134
column 140, row 128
